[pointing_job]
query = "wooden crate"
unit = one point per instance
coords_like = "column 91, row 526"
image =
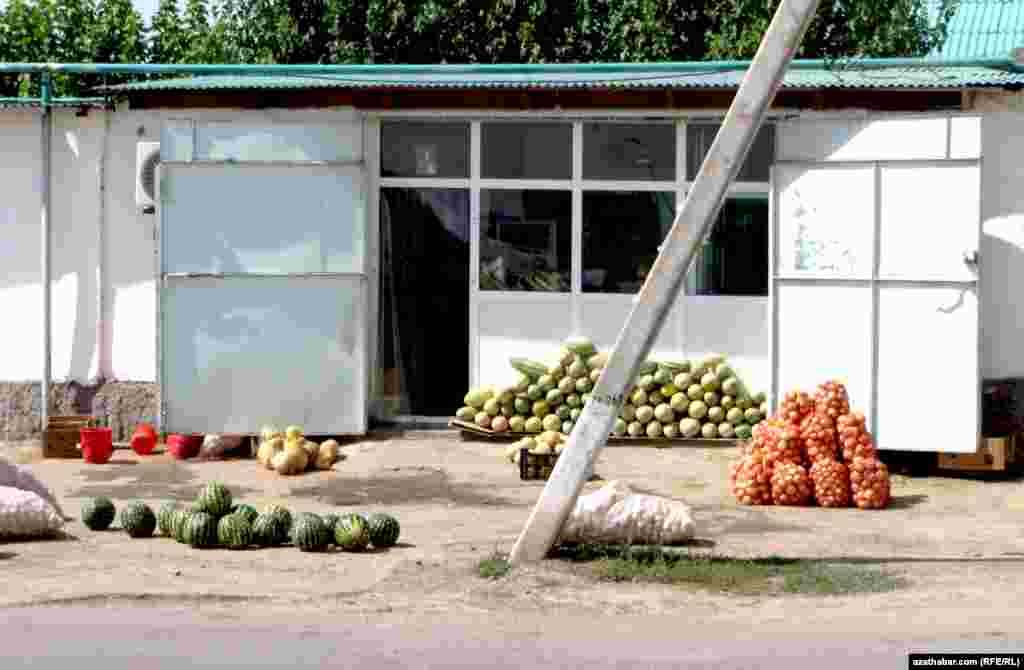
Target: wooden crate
column 994, row 454
column 60, row 439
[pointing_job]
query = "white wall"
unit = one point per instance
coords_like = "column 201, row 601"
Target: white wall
column 129, row 341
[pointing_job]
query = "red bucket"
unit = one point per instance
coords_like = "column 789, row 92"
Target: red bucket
column 144, row 440
column 184, row 446
column 97, row 444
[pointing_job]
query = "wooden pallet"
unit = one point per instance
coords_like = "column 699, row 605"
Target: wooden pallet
column 471, row 429
column 994, row 454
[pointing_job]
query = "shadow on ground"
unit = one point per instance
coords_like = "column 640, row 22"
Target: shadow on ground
column 168, row 480
column 400, row 486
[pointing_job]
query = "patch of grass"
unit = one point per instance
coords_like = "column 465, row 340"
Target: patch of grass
column 744, row 576
column 494, row 566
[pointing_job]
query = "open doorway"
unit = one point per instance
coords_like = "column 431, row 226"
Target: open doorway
column 424, row 301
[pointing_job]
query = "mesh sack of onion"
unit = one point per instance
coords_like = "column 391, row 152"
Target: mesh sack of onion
column 831, row 480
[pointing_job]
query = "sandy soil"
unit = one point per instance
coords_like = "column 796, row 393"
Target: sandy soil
column 956, row 540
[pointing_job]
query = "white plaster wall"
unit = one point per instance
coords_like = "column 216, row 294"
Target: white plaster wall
column 129, row 263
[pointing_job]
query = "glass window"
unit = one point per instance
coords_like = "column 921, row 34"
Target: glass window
column 525, row 240
column 621, row 235
column 424, row 279
column 526, row 150
column 757, row 168
column 734, row 258
column 629, row 151
column 424, row 149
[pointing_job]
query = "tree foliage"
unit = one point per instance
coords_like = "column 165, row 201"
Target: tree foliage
column 444, row 31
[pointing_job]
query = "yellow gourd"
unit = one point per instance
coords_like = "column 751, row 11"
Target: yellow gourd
column 291, row 461
column 293, row 433
column 327, row 455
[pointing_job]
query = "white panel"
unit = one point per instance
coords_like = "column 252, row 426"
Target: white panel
column 177, row 140
column 133, row 343
column 859, row 139
column 1002, row 247
column 737, row 327
column 283, row 142
column 965, row 137
column 825, row 333
column 603, row 316
column 826, row 221
column 243, row 352
column 514, row 326
column 263, row 219
column 929, row 221
column 927, row 352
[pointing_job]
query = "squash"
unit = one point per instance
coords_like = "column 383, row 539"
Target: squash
column 292, row 460
column 327, row 455
column 312, row 450
column 268, row 450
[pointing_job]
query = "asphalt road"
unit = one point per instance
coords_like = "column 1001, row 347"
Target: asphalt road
column 146, row 639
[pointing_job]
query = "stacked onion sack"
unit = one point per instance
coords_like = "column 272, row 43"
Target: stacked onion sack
column 290, row 453
column 685, row 399
column 815, row 450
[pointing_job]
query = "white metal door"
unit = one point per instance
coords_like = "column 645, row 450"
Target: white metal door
column 263, row 297
column 875, row 282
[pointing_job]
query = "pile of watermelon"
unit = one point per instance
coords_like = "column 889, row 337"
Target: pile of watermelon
column 702, row 398
column 214, row 520
column 814, row 451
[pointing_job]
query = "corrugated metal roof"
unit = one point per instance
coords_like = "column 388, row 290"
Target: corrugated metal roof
column 919, row 77
column 984, row 29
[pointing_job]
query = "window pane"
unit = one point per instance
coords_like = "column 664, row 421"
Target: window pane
column 630, row 152
column 526, row 150
column 621, row 234
column 757, row 168
column 423, row 317
column 734, row 258
column 525, row 240
column 424, row 149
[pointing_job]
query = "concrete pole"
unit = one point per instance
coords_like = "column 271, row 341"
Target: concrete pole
column 660, row 290
column 46, row 130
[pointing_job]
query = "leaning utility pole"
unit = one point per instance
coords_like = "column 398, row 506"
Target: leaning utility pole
column 763, row 79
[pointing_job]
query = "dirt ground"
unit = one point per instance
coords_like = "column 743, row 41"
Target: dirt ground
column 956, row 540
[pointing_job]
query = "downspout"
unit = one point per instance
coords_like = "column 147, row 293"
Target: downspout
column 103, row 371
column 46, row 130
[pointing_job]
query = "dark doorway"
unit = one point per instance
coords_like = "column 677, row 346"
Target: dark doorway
column 424, row 300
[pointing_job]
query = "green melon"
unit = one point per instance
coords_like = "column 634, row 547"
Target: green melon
column 248, row 511
column 234, row 531
column 295, row 522
column 285, row 517
column 331, row 520
column 138, row 520
column 310, row 533
column 181, row 518
column 352, row 533
column 98, row 513
column 214, row 499
column 268, row 530
column 201, row 530
column 165, row 518
column 529, row 368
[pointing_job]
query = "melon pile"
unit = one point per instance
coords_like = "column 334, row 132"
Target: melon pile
column 290, row 453
column 814, row 450
column 669, row 399
column 213, row 520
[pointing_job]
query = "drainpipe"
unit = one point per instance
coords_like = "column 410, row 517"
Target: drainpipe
column 102, row 358
column 46, row 133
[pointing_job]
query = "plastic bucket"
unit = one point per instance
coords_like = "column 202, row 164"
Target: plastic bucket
column 184, row 446
column 97, row 444
column 144, row 440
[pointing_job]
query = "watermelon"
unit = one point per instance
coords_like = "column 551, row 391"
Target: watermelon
column 214, row 499
column 295, row 523
column 282, row 513
column 181, row 518
column 248, row 511
column 165, row 518
column 331, row 520
column 310, row 533
column 234, row 531
column 384, row 529
column 352, row 533
column 98, row 513
column 269, row 530
column 138, row 520
column 201, row 530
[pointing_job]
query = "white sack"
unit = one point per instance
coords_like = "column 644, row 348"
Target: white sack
column 25, row 514
column 617, row 515
column 19, row 477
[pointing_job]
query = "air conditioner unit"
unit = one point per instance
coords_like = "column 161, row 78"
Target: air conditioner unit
column 147, row 158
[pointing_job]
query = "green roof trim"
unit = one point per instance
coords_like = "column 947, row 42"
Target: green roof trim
column 921, row 75
column 35, row 103
column 984, row 29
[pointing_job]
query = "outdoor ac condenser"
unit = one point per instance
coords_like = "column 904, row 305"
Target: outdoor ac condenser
column 147, row 158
